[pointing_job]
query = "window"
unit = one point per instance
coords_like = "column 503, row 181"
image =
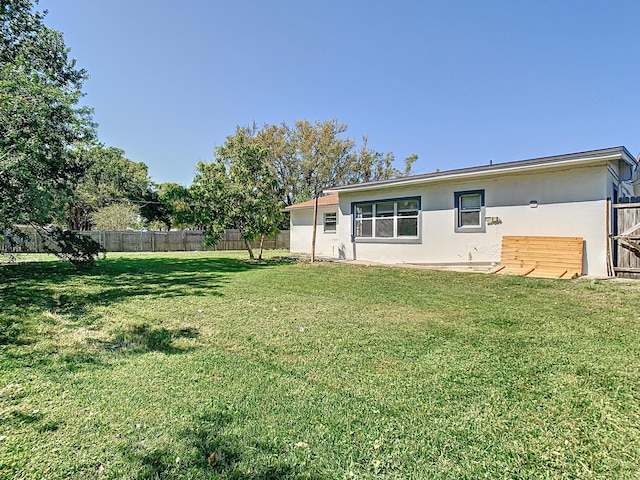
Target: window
column 330, row 222
column 469, row 207
column 387, row 219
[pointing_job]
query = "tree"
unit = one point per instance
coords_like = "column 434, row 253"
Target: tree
column 109, row 178
column 325, row 156
column 236, row 190
column 281, row 158
column 116, row 216
column 309, row 157
column 40, row 124
column 370, row 166
column 168, row 204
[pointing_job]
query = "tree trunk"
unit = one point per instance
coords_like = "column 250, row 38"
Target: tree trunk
column 249, row 249
column 261, row 246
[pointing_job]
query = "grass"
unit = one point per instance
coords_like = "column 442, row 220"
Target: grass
column 205, row 365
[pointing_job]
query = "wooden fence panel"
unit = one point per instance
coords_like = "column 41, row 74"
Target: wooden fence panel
column 628, row 240
column 180, row 241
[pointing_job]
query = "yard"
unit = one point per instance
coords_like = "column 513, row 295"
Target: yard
column 205, row 365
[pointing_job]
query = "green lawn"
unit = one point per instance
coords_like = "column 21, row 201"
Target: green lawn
column 205, row 365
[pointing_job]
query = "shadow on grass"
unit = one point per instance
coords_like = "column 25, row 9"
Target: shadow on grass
column 31, row 289
column 51, row 360
column 143, row 338
column 217, row 453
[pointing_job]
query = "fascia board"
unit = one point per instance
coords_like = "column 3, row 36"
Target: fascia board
column 479, row 174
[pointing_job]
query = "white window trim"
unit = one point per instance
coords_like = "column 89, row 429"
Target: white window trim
column 395, row 217
column 334, row 223
column 481, row 228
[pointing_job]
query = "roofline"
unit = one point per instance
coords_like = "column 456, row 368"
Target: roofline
column 590, row 156
column 309, row 204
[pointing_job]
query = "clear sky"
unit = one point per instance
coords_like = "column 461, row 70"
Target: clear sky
column 457, row 82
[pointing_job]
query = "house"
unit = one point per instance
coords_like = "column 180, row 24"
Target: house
column 458, row 217
column 301, row 226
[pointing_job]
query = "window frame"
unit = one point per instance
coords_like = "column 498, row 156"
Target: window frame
column 334, row 222
column 459, row 228
column 373, row 218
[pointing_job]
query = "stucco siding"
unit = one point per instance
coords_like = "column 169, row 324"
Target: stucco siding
column 301, row 233
column 570, row 202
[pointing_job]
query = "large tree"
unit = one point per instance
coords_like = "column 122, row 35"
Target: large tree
column 41, row 121
column 109, row 178
column 236, row 190
column 308, row 157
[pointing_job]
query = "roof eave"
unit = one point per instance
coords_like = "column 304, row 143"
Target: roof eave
column 621, row 154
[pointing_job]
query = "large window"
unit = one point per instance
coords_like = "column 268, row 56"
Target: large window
column 330, row 222
column 469, row 207
column 387, row 219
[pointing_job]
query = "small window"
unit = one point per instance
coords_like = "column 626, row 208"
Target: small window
column 330, row 222
column 469, row 207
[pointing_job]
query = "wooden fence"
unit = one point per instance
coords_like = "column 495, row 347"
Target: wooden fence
column 180, row 241
column 627, row 239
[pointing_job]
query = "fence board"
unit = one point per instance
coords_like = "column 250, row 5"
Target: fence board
column 627, row 260
column 180, row 241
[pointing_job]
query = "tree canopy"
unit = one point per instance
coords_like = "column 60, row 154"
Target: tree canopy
column 236, row 190
column 168, row 205
column 41, row 121
column 116, row 216
column 308, row 157
column 108, row 178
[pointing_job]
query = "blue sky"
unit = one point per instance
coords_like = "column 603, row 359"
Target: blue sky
column 457, row 82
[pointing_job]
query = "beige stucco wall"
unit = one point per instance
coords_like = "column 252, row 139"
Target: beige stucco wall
column 301, row 233
column 570, row 202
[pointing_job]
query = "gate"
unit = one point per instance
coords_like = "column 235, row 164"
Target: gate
column 627, row 238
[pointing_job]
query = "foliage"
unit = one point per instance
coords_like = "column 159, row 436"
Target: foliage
column 370, row 166
column 73, row 247
column 169, row 205
column 203, row 365
column 40, row 120
column 108, row 178
column 116, row 216
column 325, row 157
column 237, row 190
column 309, row 157
column 25, row 38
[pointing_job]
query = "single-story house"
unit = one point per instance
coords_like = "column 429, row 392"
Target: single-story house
column 458, row 217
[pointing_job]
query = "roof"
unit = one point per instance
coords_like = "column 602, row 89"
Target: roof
column 325, row 201
column 590, row 156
